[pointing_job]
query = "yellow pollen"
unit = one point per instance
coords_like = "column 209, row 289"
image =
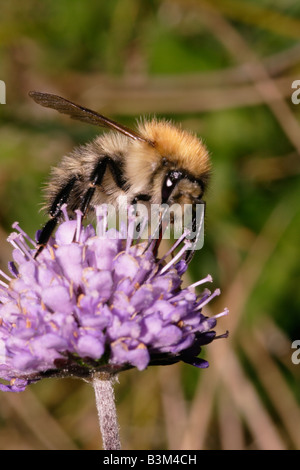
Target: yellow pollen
column 71, row 289
column 52, row 254
column 79, row 299
column 83, row 253
column 54, row 326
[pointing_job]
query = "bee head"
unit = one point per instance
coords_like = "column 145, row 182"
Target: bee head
column 176, row 168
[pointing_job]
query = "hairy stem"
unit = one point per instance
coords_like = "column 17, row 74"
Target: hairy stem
column 107, row 413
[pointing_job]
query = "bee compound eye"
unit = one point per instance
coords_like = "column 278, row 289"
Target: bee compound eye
column 169, row 184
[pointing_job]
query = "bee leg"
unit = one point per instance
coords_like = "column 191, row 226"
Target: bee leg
column 190, row 253
column 45, row 234
column 97, row 177
column 140, row 197
column 55, row 213
column 196, row 228
column 158, row 241
column 189, row 256
column 157, row 234
column 95, row 180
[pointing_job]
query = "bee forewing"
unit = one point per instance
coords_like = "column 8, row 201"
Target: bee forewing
column 75, row 111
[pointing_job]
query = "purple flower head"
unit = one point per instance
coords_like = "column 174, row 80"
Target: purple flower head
column 93, row 301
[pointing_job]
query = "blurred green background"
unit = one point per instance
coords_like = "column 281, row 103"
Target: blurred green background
column 224, row 69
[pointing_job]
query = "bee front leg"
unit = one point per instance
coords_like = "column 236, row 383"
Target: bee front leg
column 95, row 180
column 97, row 177
column 197, row 227
column 55, row 213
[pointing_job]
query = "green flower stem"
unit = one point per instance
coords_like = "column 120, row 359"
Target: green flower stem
column 107, row 413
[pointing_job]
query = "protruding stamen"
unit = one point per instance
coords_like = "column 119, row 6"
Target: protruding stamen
column 16, row 240
column 221, row 314
column 4, row 284
column 224, row 335
column 11, row 240
column 214, row 294
column 183, row 236
column 16, row 226
column 65, row 212
column 78, row 228
column 176, row 257
column 102, row 219
column 208, row 278
column 3, row 274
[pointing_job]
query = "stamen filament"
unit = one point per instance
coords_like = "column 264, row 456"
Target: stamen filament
column 206, row 301
column 3, row 274
column 173, row 260
column 221, row 314
column 208, row 278
column 15, row 239
column 65, row 212
column 78, row 228
column 183, row 236
column 101, row 215
column 16, row 226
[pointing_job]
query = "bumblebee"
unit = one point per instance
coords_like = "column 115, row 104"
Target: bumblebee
column 159, row 163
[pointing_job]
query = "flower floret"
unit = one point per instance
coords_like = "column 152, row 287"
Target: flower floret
column 92, row 301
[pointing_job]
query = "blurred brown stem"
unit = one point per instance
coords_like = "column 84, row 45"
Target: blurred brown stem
column 107, row 413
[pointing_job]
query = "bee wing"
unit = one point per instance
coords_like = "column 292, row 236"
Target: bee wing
column 75, row 111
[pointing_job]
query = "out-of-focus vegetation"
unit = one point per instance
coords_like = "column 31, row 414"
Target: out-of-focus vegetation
column 223, row 69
